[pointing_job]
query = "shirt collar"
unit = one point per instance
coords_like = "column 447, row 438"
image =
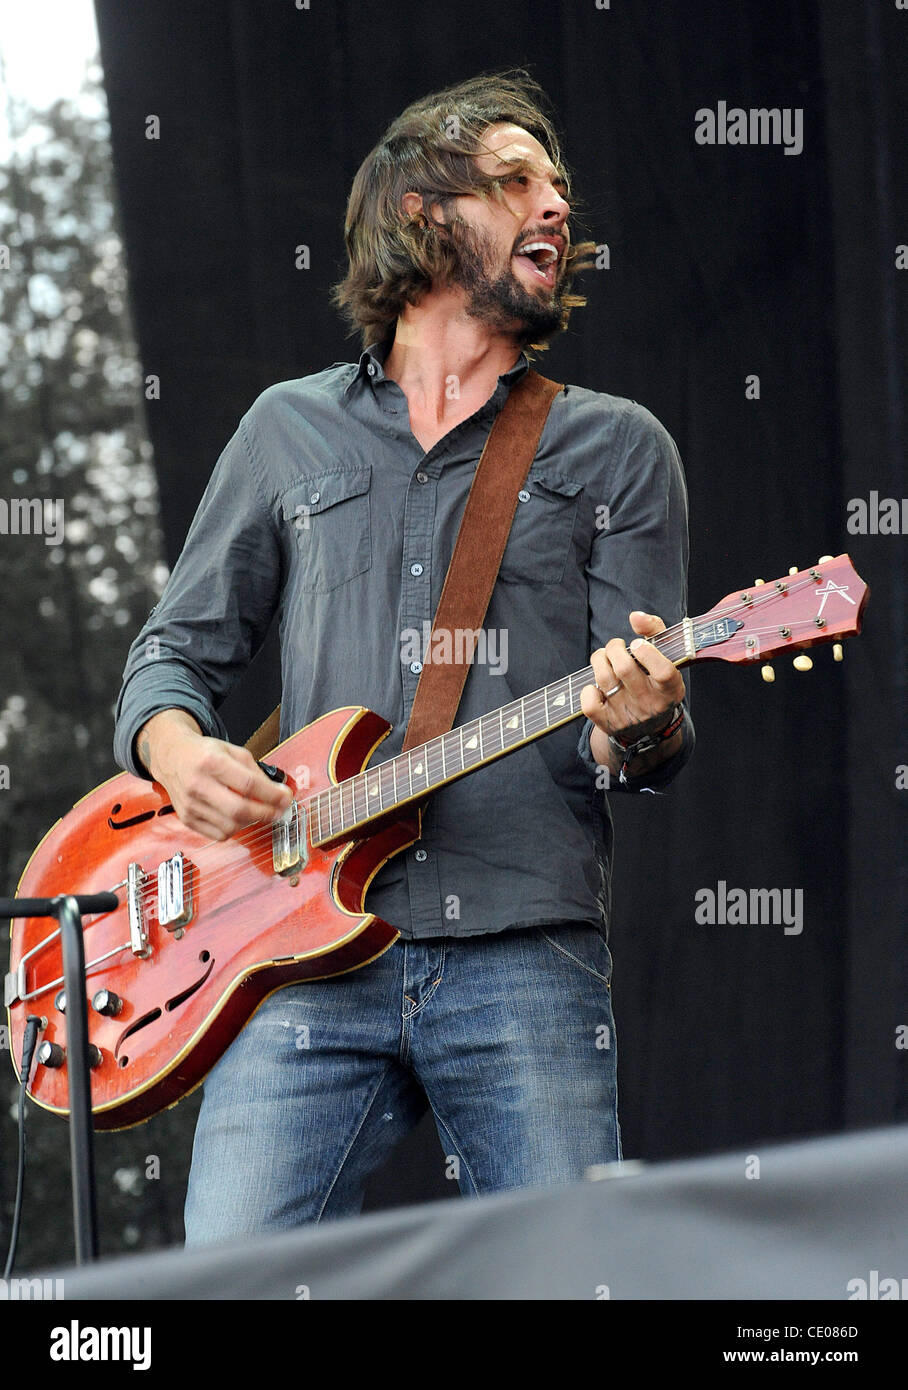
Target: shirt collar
column 370, row 366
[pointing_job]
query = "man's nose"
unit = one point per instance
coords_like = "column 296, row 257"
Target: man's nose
column 553, row 208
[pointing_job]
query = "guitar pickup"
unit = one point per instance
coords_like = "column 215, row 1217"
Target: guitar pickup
column 175, row 891
column 288, row 840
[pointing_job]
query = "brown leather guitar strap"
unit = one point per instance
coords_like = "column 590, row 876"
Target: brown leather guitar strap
column 484, row 528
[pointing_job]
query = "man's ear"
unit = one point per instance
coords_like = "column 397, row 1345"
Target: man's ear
column 411, row 205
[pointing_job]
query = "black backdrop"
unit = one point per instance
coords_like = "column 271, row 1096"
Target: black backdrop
column 724, row 262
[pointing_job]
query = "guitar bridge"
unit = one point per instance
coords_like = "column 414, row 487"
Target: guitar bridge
column 138, row 927
column 288, row 841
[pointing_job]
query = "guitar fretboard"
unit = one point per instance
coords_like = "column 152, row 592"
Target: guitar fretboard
column 348, row 806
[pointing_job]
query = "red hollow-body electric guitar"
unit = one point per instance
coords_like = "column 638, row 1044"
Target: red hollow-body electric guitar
column 206, row 930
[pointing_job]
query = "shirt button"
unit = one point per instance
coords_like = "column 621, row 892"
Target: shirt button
column 416, row 569
column 416, row 667
column 422, row 477
column 371, row 369
column 313, row 497
column 420, row 856
column 523, row 495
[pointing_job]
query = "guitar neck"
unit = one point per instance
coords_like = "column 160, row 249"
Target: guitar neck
column 348, row 807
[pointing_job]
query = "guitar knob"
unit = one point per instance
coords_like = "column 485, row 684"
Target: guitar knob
column 107, row 1003
column 94, row 1055
column 837, row 653
column 792, row 569
column 51, row 1055
column 60, row 1001
column 802, row 663
column 824, row 559
column 767, row 673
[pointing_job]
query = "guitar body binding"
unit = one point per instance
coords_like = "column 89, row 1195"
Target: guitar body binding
column 247, row 930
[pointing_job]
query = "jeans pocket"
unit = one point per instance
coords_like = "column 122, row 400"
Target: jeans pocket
column 330, row 515
column 583, row 945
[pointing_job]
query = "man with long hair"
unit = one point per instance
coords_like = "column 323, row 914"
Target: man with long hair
column 336, row 504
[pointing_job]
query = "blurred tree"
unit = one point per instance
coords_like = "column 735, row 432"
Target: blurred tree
column 73, row 447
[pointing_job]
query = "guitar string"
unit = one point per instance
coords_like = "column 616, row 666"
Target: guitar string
column 262, row 831
column 532, row 704
column 258, row 837
column 259, row 834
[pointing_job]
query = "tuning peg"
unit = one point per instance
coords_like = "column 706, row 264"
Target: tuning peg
column 792, row 569
column 824, row 559
column 802, row 663
column 837, row 653
column 767, row 673
column 757, row 583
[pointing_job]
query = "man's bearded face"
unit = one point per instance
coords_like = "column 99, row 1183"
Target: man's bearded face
column 495, row 294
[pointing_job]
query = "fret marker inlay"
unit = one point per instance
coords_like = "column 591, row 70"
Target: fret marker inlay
column 512, row 723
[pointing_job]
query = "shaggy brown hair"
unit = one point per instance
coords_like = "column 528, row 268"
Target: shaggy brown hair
column 430, row 149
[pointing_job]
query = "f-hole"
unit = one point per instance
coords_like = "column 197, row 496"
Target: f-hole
column 125, row 824
column 142, row 1022
column 179, row 999
column 135, row 820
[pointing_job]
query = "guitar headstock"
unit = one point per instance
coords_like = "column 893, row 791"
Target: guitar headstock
column 822, row 604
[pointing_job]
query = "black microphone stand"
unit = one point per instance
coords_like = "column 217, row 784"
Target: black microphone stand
column 68, row 909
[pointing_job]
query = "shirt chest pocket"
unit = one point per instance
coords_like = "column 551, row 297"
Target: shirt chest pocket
column 539, row 542
column 331, row 532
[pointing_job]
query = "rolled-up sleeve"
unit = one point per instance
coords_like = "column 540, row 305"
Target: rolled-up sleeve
column 639, row 560
column 215, row 610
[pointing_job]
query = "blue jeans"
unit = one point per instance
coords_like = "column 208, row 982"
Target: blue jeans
column 509, row 1037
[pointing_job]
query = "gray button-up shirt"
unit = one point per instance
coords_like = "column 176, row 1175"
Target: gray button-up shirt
column 325, row 509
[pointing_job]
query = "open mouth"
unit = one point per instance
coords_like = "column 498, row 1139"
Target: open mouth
column 540, row 259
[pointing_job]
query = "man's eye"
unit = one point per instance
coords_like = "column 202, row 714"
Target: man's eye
column 517, row 178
